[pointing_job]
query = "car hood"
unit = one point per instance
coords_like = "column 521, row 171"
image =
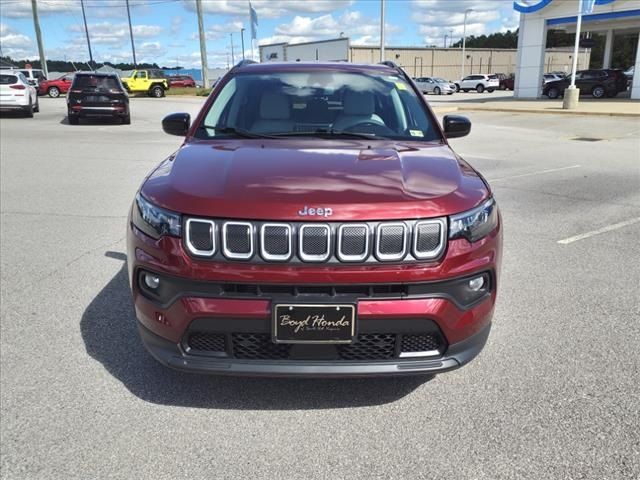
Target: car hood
column 277, row 179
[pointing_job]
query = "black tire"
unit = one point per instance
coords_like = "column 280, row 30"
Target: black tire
column 612, row 94
column 53, row 92
column 156, row 91
column 36, row 109
column 465, row 90
column 28, row 111
column 437, row 91
column 490, row 90
column 553, row 93
column 457, row 87
column 479, row 88
column 126, row 120
column 73, row 120
column 598, row 91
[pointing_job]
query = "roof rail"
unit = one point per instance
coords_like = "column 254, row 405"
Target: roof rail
column 396, row 67
column 243, row 63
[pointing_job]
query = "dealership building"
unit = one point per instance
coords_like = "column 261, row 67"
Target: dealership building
column 616, row 20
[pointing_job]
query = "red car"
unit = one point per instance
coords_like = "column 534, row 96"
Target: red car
column 315, row 222
column 54, row 88
column 177, row 81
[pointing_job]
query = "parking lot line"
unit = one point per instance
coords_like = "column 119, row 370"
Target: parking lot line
column 606, row 229
column 539, row 172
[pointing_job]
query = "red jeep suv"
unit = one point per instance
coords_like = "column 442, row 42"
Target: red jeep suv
column 315, row 222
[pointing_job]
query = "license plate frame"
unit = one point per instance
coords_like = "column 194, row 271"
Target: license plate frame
column 319, row 323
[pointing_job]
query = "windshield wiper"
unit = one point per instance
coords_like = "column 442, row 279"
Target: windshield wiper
column 329, row 133
column 240, row 132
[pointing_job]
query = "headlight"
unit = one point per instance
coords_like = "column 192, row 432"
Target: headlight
column 153, row 220
column 476, row 223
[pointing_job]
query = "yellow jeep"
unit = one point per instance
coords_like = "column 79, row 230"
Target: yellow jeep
column 153, row 82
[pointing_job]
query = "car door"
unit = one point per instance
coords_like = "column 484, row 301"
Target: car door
column 139, row 81
column 466, row 82
column 65, row 83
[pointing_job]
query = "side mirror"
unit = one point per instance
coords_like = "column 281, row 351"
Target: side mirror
column 456, row 126
column 176, row 124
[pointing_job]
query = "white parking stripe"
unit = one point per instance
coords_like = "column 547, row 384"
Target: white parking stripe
column 606, row 229
column 539, row 172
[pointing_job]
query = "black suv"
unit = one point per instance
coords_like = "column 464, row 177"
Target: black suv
column 598, row 83
column 97, row 95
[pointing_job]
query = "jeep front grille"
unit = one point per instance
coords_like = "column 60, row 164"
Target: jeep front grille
column 296, row 242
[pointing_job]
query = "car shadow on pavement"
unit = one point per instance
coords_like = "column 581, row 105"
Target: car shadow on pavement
column 108, row 328
column 91, row 121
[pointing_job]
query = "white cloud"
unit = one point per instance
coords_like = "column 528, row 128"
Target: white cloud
column 22, row 8
column 363, row 30
column 176, row 24
column 437, row 18
column 269, row 8
column 107, row 33
column 220, row 30
column 15, row 44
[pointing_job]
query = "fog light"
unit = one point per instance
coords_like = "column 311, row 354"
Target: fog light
column 151, row 281
column 476, row 284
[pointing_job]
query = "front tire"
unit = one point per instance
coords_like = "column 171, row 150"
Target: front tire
column 437, row 91
column 54, row 92
column 457, row 88
column 598, row 91
column 553, row 93
column 157, row 92
column 480, row 88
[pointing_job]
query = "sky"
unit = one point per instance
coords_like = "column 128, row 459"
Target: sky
column 166, row 31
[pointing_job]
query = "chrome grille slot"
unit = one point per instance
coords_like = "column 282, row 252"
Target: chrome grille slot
column 315, row 243
column 428, row 238
column 353, row 242
column 237, row 240
column 391, row 241
column 200, row 237
column 275, row 241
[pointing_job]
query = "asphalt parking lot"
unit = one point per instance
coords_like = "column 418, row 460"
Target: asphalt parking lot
column 555, row 394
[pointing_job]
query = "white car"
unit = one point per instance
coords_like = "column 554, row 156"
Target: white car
column 551, row 77
column 17, row 94
column 434, row 85
column 479, row 83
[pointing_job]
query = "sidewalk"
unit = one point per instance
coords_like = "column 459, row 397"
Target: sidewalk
column 621, row 107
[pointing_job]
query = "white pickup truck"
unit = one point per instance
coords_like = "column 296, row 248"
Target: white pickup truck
column 479, row 83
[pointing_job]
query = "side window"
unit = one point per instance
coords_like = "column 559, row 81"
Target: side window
column 467, row 78
column 141, row 75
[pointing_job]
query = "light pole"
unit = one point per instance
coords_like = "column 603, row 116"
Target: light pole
column 382, row 30
column 242, row 41
column 233, row 57
column 464, row 41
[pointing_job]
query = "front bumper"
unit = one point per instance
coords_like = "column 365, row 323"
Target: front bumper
column 225, row 296
column 173, row 356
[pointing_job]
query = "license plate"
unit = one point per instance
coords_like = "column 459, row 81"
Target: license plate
column 97, row 99
column 304, row 323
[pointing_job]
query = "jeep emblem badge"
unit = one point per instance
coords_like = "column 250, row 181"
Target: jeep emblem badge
column 315, row 211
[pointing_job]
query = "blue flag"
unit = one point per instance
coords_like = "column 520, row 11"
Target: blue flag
column 253, row 16
column 587, row 7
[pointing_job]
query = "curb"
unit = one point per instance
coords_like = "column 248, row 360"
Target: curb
column 551, row 112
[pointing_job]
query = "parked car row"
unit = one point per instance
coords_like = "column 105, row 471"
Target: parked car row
column 597, row 83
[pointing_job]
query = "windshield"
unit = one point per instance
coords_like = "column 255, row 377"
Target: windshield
column 440, row 80
column 318, row 103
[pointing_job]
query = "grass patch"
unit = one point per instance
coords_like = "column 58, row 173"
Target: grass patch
column 200, row 92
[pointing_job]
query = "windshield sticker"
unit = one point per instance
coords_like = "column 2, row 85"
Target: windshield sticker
column 401, row 86
column 416, row 133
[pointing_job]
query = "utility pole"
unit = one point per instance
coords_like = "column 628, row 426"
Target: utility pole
column 242, row 41
column 203, row 46
column 382, row 30
column 464, row 41
column 233, row 57
column 86, row 31
column 133, row 47
column 36, row 23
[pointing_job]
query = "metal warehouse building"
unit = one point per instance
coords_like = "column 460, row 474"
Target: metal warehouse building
column 418, row 61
